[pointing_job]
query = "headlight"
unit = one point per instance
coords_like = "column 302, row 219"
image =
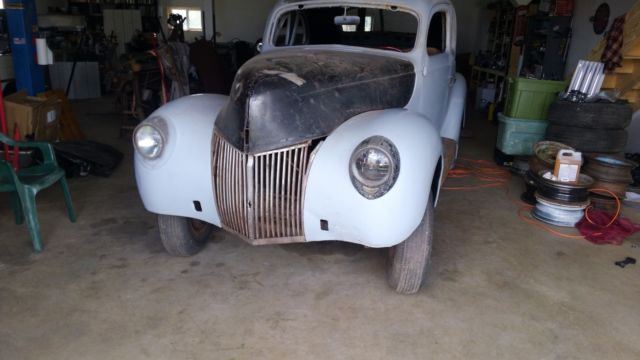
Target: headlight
column 374, row 167
column 148, row 140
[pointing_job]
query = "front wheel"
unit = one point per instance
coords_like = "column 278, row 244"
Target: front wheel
column 183, row 236
column 409, row 260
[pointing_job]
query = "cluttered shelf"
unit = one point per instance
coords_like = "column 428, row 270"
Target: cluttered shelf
column 529, row 41
column 481, row 75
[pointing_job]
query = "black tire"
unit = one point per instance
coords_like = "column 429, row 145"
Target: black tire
column 409, row 260
column 182, row 236
column 591, row 115
column 589, row 140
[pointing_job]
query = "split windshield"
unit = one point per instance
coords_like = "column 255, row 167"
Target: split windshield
column 388, row 29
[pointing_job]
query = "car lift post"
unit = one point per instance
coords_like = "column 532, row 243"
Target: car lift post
column 22, row 22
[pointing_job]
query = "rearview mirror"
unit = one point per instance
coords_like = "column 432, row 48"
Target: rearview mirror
column 346, row 20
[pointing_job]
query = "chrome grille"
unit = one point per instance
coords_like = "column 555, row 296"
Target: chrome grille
column 260, row 196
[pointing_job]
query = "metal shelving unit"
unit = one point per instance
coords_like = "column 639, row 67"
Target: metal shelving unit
column 92, row 9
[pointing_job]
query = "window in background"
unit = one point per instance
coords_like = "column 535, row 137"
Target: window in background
column 368, row 23
column 437, row 36
column 349, row 28
column 193, row 16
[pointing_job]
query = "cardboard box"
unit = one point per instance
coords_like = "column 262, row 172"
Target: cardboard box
column 36, row 118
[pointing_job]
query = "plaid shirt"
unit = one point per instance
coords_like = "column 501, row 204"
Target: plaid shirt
column 612, row 54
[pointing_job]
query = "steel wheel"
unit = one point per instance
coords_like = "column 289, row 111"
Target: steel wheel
column 183, row 236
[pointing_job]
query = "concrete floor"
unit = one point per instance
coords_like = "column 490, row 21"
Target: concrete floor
column 498, row 288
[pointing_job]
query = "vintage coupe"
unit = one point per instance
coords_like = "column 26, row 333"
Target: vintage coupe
column 343, row 128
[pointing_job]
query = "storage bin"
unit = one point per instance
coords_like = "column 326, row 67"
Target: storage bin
column 518, row 136
column 531, row 98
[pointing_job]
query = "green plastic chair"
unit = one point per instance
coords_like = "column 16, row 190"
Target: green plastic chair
column 25, row 184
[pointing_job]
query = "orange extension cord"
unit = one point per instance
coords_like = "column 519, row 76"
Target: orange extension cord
column 489, row 175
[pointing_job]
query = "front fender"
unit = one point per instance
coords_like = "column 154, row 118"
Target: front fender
column 181, row 176
column 390, row 219
column 455, row 110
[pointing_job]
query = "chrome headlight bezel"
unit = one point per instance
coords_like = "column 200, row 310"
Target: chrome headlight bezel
column 158, row 127
column 385, row 154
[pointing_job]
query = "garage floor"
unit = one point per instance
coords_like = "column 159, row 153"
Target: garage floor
column 499, row 288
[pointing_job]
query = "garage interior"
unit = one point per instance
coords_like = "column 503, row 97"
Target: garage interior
column 501, row 283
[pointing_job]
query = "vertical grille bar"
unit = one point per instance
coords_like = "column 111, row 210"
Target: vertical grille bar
column 292, row 206
column 249, row 197
column 260, row 196
column 301, row 174
column 285, row 194
column 270, row 208
column 225, row 182
column 277, row 197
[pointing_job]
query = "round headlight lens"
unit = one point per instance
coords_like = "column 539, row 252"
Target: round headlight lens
column 148, row 141
column 374, row 167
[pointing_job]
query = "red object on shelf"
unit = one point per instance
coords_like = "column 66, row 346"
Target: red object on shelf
column 165, row 94
column 564, row 8
column 520, row 23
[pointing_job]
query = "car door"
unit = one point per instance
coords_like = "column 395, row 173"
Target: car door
column 439, row 63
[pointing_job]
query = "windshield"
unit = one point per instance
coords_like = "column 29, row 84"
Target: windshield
column 387, row 29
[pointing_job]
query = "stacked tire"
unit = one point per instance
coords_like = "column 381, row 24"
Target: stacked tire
column 598, row 127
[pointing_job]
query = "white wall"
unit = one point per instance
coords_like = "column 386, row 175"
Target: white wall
column 584, row 39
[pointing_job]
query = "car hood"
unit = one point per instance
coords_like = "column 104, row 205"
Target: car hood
column 286, row 97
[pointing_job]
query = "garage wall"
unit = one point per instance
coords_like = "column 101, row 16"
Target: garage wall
column 203, row 5
column 470, row 36
column 584, row 39
column 42, row 6
column 236, row 19
column 242, row 19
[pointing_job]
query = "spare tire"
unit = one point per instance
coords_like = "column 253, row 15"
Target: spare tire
column 598, row 115
column 589, row 140
column 609, row 168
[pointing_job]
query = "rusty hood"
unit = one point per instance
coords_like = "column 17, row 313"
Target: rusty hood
column 287, row 97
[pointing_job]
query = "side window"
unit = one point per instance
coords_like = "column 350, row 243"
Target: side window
column 437, row 35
